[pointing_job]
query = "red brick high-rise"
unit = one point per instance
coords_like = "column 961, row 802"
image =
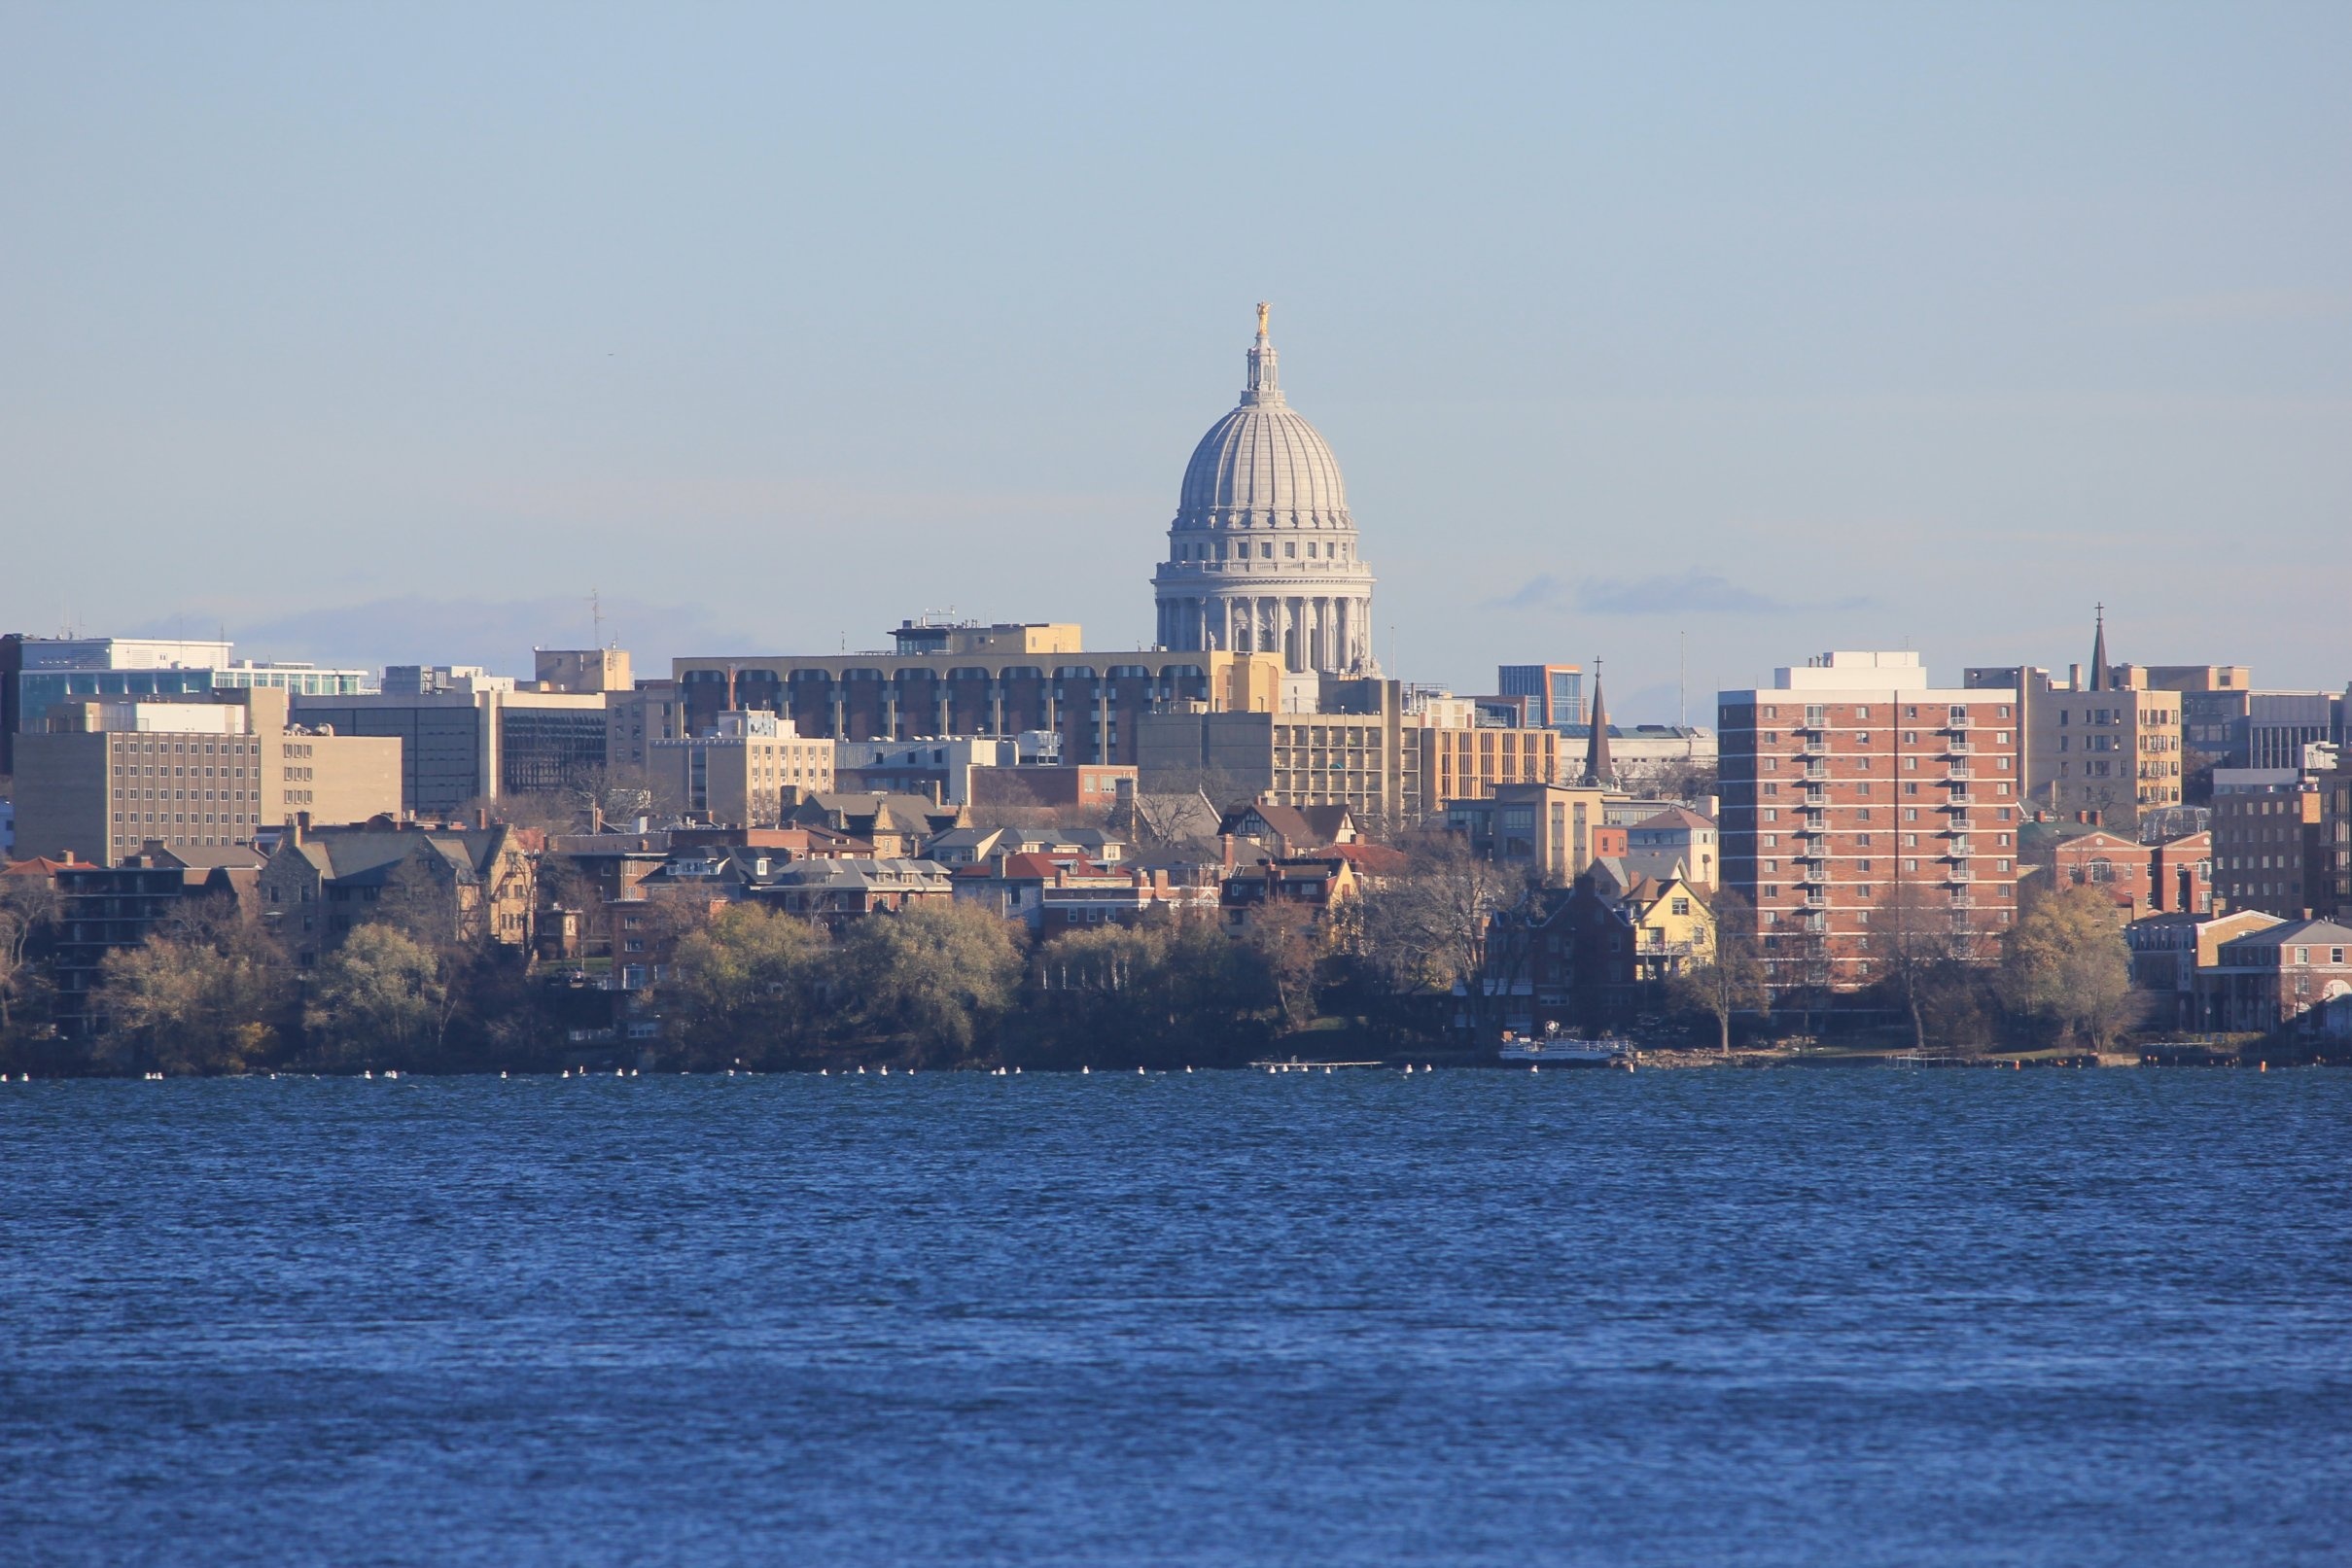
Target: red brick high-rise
column 1850, row 780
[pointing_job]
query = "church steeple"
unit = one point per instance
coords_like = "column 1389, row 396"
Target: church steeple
column 2100, row 680
column 1598, row 769
column 1265, row 386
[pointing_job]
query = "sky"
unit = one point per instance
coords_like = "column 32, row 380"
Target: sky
column 1695, row 339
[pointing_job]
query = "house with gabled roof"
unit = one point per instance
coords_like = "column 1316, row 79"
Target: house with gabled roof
column 439, row 883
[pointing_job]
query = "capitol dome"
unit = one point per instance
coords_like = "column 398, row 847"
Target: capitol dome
column 1262, row 552
column 1263, row 458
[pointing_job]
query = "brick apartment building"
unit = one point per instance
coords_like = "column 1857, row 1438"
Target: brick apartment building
column 2269, row 852
column 1849, row 777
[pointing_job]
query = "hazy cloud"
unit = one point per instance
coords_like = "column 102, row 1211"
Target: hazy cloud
column 1704, row 591
column 1542, row 591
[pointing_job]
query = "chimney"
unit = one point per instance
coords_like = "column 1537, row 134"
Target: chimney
column 2188, row 888
column 482, row 816
column 1225, row 840
column 298, row 828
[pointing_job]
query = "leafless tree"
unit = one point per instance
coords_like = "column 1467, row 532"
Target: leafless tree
column 1733, row 981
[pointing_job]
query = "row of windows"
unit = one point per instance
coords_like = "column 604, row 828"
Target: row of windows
column 1265, row 551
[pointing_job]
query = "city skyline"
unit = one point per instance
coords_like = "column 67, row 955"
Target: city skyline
column 1716, row 347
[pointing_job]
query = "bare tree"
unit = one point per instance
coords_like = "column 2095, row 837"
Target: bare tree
column 27, row 905
column 1916, row 936
column 1733, row 981
column 1428, row 930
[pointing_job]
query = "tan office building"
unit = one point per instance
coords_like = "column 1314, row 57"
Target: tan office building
column 111, row 775
column 747, row 770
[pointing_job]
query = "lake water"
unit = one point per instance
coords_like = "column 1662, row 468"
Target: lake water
column 1793, row 1317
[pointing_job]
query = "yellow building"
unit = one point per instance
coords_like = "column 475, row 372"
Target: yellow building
column 1673, row 929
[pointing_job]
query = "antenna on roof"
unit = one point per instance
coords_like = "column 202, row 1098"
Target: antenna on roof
column 596, row 616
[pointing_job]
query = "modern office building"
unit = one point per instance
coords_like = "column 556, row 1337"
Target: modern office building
column 111, row 776
column 38, row 672
column 1849, row 779
column 1551, row 694
column 480, row 743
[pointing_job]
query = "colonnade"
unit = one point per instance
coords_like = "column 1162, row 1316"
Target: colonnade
column 1310, row 631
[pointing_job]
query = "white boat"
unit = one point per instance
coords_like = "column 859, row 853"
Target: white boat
column 1561, row 1051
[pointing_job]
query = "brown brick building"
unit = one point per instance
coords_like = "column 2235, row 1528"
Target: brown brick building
column 1850, row 776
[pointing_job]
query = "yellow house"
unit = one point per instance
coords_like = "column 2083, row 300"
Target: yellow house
column 1673, row 929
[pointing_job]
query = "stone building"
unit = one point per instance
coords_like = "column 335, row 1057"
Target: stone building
column 1262, row 554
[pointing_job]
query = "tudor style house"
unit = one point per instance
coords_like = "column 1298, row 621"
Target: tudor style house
column 439, row 883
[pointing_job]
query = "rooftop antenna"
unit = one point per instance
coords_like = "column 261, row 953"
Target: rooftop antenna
column 1682, row 663
column 596, row 616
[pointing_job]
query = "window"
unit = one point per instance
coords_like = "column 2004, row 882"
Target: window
column 1682, row 906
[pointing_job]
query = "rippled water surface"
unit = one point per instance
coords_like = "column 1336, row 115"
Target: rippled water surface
column 1849, row 1317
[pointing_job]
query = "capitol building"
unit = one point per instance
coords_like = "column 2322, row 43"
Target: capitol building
column 1262, row 555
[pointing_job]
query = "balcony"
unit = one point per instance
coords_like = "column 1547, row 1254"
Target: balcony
column 1959, row 746
column 1960, row 874
column 1817, row 876
column 1959, row 778
column 1955, row 723
column 1815, row 827
column 1816, row 772
column 1958, row 801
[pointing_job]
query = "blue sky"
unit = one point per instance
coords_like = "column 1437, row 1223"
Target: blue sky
column 1726, row 333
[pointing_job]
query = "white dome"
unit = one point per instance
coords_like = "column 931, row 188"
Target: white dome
column 1263, row 458
column 1261, row 556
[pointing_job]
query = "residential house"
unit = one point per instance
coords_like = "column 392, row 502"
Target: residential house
column 440, row 883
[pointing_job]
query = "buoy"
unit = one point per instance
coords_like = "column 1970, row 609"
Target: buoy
column 860, row 1069
column 885, row 1073
column 368, row 1074
column 1188, row 1070
column 1082, row 1071
column 821, row 1072
column 1138, row 1072
column 2264, row 1067
column 1016, row 1072
column 1326, row 1072
column 1408, row 1069
column 502, row 1074
column 568, row 1073
column 1535, row 1067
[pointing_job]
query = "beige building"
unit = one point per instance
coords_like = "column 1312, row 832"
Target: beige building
column 1545, row 829
column 584, row 672
column 748, row 769
column 1365, row 751
column 635, row 719
column 2097, row 748
column 110, row 775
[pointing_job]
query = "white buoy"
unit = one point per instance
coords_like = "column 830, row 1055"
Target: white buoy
column 1188, row 1070
column 1082, row 1071
column 1326, row 1072
column 1138, row 1072
column 1535, row 1067
column 1016, row 1072
column 368, row 1074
